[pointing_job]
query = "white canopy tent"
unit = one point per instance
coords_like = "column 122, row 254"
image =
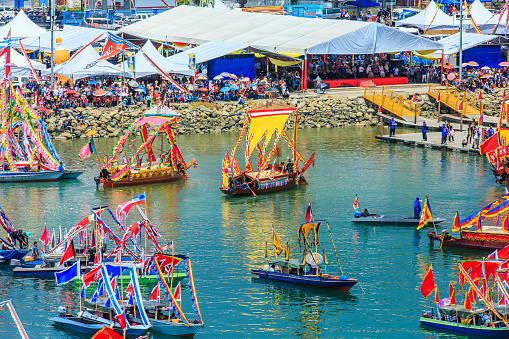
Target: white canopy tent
column 73, row 38
column 452, row 43
column 486, row 20
column 282, row 34
column 143, row 67
column 81, row 66
column 20, row 27
column 22, row 67
column 432, row 17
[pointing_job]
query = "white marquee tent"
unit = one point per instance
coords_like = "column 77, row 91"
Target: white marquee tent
column 21, row 27
column 22, row 67
column 486, row 20
column 430, row 18
column 80, row 66
column 73, row 38
column 282, row 34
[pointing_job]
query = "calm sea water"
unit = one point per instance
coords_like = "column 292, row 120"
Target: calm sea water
column 225, row 237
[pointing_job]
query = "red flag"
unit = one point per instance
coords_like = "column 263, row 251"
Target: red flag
column 502, row 301
column 428, row 284
column 45, row 239
column 479, row 225
column 121, row 320
column 503, row 95
column 118, row 257
column 505, row 226
column 130, row 289
column 309, row 213
column 460, row 106
column 380, row 109
column 452, row 295
column 177, row 293
column 438, row 97
column 97, row 258
column 480, row 96
column 356, row 203
column 69, row 254
column 437, row 299
column 156, row 293
column 53, row 240
column 92, row 276
column 414, row 99
column 467, row 301
column 456, row 223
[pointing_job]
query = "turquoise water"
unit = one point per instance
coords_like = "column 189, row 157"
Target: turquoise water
column 225, row 237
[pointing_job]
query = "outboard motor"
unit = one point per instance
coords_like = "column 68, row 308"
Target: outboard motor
column 97, row 181
column 431, row 234
column 62, row 310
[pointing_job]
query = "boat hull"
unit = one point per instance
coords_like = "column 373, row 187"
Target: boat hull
column 29, row 176
column 342, row 285
column 13, row 254
column 38, row 272
column 469, row 243
column 291, row 182
column 392, row 220
column 76, row 326
column 174, row 329
column 70, row 175
column 492, row 332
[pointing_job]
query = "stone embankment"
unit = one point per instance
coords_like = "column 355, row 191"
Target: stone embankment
column 197, row 117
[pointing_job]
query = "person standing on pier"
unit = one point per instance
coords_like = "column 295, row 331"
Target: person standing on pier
column 392, row 127
column 477, row 136
column 444, row 134
column 424, row 131
column 417, row 208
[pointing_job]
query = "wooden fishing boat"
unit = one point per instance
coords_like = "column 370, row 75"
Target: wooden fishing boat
column 497, row 151
column 490, row 238
column 391, row 220
column 262, row 123
column 8, row 248
column 11, row 176
column 312, row 270
column 132, row 169
column 70, row 174
column 12, row 254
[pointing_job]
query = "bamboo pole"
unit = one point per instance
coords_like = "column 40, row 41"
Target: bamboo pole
column 335, row 251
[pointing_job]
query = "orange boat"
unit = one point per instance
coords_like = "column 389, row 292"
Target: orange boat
column 272, row 176
column 134, row 170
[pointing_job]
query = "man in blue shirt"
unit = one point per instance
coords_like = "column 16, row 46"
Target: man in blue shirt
column 392, row 127
column 417, row 208
column 424, row 131
column 490, row 131
column 444, row 134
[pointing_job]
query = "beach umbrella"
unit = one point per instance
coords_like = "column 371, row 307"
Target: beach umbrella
column 202, row 76
column 203, row 89
column 487, row 76
column 451, row 76
column 504, row 64
column 42, row 109
column 139, row 90
column 233, row 76
column 90, row 133
column 92, row 82
column 108, row 93
column 218, row 77
column 225, row 75
column 224, row 89
column 485, row 68
column 235, row 87
column 71, row 92
column 450, row 66
column 271, row 90
column 123, row 94
column 100, row 92
column 472, row 63
column 245, row 79
column 133, row 83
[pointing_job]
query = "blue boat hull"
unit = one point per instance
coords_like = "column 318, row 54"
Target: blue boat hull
column 13, row 254
column 70, row 175
column 343, row 285
column 40, row 273
column 29, row 176
column 491, row 332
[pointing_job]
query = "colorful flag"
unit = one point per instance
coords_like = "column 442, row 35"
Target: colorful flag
column 118, row 257
column 69, row 254
column 156, row 293
column 426, row 215
column 287, row 252
column 177, row 293
column 45, row 239
column 356, row 203
column 428, row 284
column 452, row 295
column 480, row 96
column 68, row 274
column 456, row 223
column 437, row 298
column 498, row 220
column 122, row 321
column 275, row 241
column 309, row 214
column 53, row 240
column 438, row 97
column 479, row 225
column 114, row 45
column 460, row 106
column 380, row 109
column 502, row 301
column 505, row 225
column 414, row 99
column 467, row 305
column 88, row 149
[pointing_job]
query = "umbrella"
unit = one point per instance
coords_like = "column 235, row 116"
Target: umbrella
column 233, row 76
column 26, row 90
column 451, row 76
column 42, row 109
column 450, row 66
column 139, row 90
column 124, row 94
column 225, row 75
column 109, row 93
column 218, row 77
column 224, row 89
column 99, row 92
column 201, row 76
column 235, row 87
column 191, row 88
column 71, row 92
column 487, row 76
column 92, row 82
column 245, row 79
column 203, row 89
column 472, row 63
column 485, row 68
column 251, row 85
column 271, row 90
column 90, row 133
column 133, row 83
column 504, row 64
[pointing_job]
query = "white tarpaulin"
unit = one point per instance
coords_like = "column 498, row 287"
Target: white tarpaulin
column 430, row 18
column 282, row 34
column 452, row 43
column 486, row 20
column 73, row 38
column 22, row 67
column 143, row 67
column 21, row 27
column 83, row 66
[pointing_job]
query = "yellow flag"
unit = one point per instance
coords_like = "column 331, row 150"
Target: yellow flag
column 287, row 254
column 326, row 262
column 275, row 240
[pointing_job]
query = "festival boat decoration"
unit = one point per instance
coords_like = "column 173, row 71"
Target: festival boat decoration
column 26, row 151
column 123, row 170
column 262, row 123
column 496, row 149
column 8, row 249
column 486, row 281
column 474, row 233
column 312, row 269
column 380, row 219
column 15, row 317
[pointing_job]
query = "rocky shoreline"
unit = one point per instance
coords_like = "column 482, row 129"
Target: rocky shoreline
column 198, row 117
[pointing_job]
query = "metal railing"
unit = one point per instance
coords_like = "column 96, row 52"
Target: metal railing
column 392, row 102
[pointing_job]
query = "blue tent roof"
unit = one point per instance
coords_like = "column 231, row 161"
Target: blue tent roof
column 363, row 3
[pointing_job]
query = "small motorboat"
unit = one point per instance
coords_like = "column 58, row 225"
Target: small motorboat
column 70, row 174
column 377, row 219
column 12, row 176
column 12, row 254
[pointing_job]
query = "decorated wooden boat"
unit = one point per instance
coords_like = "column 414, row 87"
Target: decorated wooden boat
column 272, row 175
column 475, row 232
column 391, row 220
column 482, row 331
column 312, row 269
column 123, row 169
column 496, row 149
column 8, row 248
column 70, row 174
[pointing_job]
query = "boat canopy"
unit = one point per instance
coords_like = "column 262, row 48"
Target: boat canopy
column 304, row 229
column 461, row 311
column 292, row 263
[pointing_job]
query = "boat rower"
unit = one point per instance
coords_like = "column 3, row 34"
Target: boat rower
column 367, row 214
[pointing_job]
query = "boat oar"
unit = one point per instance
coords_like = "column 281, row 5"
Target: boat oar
column 252, row 191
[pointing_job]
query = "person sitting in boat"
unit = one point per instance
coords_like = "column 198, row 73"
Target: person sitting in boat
column 35, row 251
column 485, row 319
column 105, row 174
column 417, row 208
column 60, row 166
